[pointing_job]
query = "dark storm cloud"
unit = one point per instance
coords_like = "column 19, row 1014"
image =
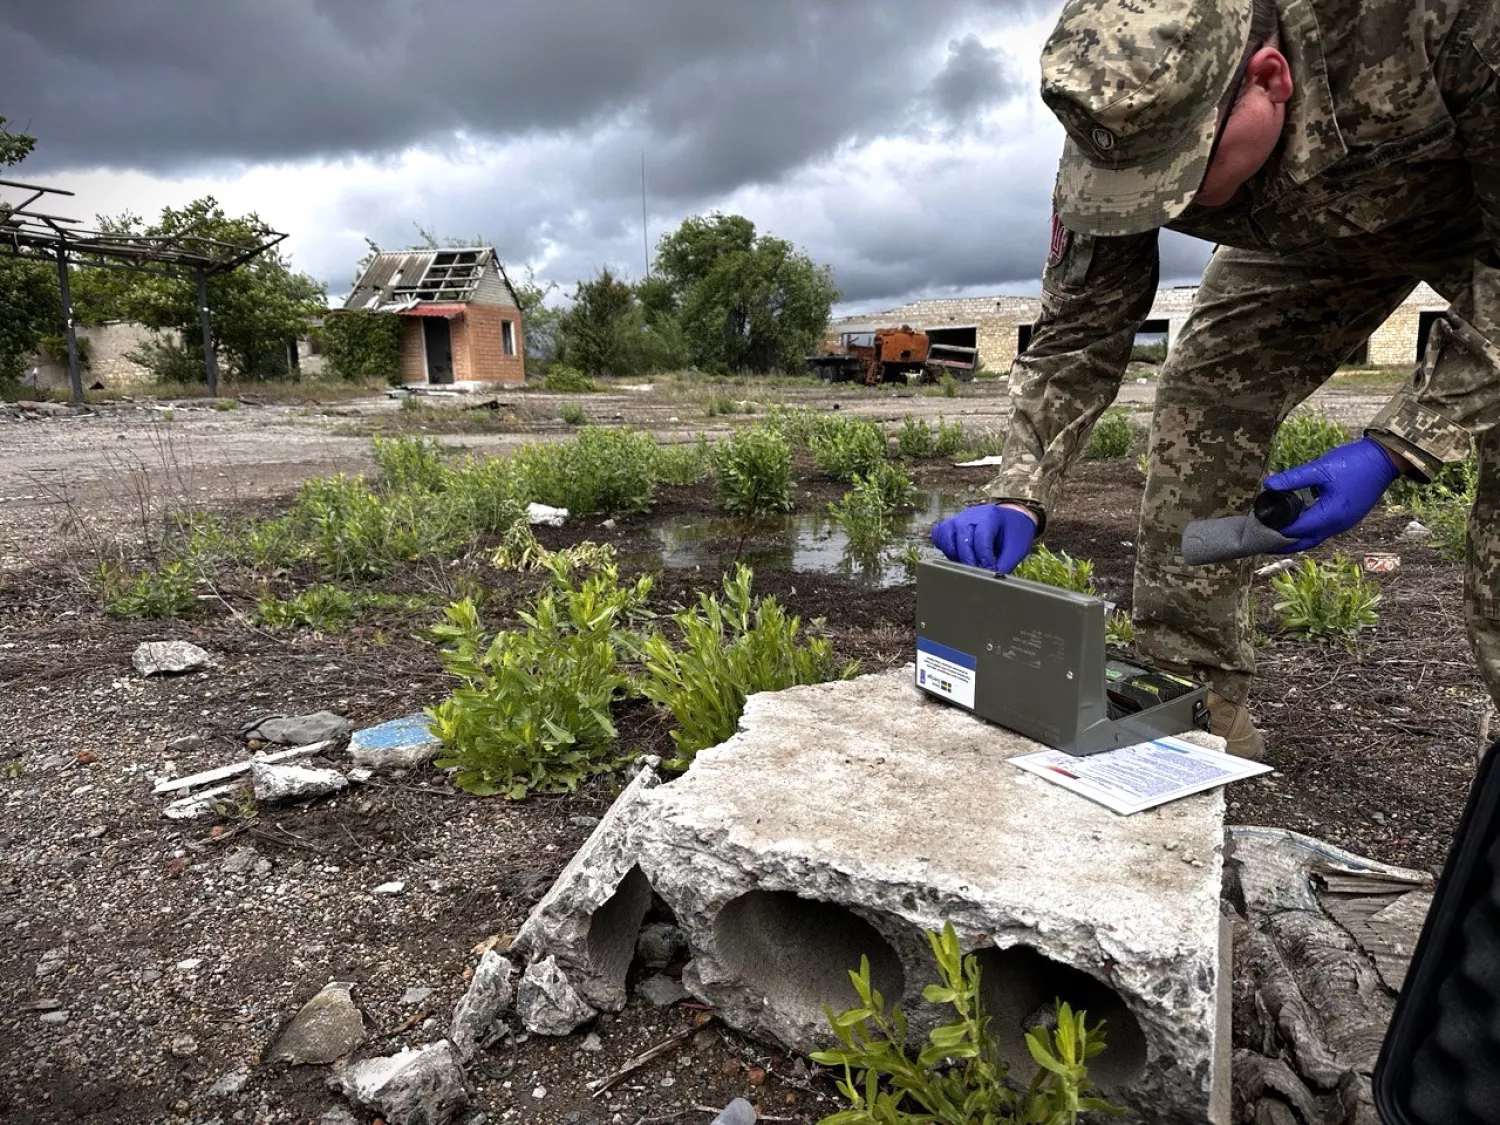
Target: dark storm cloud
column 974, row 77
column 730, row 92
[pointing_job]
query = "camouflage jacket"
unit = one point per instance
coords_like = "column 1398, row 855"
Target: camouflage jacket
column 1392, row 144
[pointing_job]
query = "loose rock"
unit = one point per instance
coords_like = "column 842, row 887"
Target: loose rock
column 327, row 1028
column 415, row 996
column 403, row 743
column 160, row 658
column 737, row 1112
column 232, row 1083
column 298, row 730
column 663, row 991
column 414, row 1087
column 395, row 887
column 659, row 944
column 489, row 995
column 547, row 1003
column 1415, row 532
column 545, row 516
column 294, row 783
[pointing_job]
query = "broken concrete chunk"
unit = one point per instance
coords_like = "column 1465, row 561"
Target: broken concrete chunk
column 413, row 1087
column 399, row 744
column 1415, row 532
column 545, row 515
column 737, row 1112
column 489, row 996
column 294, row 783
column 199, row 804
column 297, row 730
column 663, row 991
column 172, row 785
column 547, row 1003
column 231, row 1084
column 591, row 916
column 164, row 658
column 327, row 1028
column 659, row 945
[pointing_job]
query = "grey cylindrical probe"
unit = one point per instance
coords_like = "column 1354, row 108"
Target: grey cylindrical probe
column 1238, row 537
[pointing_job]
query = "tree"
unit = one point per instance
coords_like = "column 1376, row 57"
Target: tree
column 30, row 308
column 746, row 302
column 258, row 310
column 597, row 334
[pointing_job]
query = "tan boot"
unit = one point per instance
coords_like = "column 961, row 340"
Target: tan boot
column 1231, row 722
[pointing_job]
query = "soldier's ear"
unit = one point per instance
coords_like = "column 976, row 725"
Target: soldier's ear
column 1271, row 74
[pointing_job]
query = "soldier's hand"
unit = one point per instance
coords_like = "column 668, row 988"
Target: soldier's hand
column 991, row 536
column 1349, row 481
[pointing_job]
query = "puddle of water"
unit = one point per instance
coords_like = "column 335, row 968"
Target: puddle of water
column 801, row 541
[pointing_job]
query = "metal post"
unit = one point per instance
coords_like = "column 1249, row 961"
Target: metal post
column 210, row 362
column 75, row 376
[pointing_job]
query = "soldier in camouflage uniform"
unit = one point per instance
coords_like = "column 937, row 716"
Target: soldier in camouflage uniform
column 1338, row 153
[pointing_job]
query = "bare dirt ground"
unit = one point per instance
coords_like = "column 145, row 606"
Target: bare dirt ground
column 145, row 960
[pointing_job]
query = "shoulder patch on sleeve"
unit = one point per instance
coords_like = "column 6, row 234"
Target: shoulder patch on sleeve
column 1061, row 237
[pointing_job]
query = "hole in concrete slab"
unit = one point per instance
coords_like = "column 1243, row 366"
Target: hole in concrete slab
column 616, row 925
column 1018, row 987
column 797, row 953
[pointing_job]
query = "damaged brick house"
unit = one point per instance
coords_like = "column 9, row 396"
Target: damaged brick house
column 463, row 318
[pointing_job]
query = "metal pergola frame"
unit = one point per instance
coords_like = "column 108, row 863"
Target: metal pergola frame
column 25, row 233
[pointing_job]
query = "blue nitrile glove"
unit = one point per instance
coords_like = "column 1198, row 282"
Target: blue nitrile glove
column 1349, row 482
column 986, row 535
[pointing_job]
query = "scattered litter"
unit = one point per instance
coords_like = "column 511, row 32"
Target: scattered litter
column 395, row 887
column 402, row 743
column 1382, row 563
column 545, row 515
column 192, row 781
column 1275, row 568
column 55, row 1017
column 199, row 804
column 992, row 459
column 297, row 730
column 294, row 783
column 160, row 658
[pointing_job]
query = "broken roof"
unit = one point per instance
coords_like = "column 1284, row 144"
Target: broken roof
column 402, row 279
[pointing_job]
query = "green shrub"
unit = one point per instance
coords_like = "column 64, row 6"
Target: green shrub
column 567, row 380
column 1328, row 601
column 894, row 484
column 799, row 425
column 985, row 443
column 719, row 404
column 600, row 471
column 959, row 1077
column 867, row 520
column 324, row 609
column 405, row 463
column 169, row 360
column 1305, row 436
column 685, row 464
column 1060, row 569
column 1112, row 436
column 754, row 472
column 1443, row 505
column 168, row 591
column 918, row 440
column 849, row 448
column 533, row 712
column 1149, row 353
column 572, row 413
column 731, row 648
column 1119, row 630
column 362, row 343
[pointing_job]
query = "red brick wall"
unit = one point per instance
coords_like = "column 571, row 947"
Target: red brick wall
column 484, row 346
column 413, row 365
column 463, row 358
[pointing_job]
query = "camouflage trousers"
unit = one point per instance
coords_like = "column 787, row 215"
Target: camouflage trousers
column 1265, row 332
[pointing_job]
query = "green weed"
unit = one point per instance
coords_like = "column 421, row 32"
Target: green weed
column 1058, row 569
column 1119, row 630
column 849, row 448
column 753, row 467
column 169, row 590
column 1112, row 436
column 533, row 712
column 867, row 512
column 567, row 380
column 573, row 414
column 1332, row 602
column 685, row 464
column 1443, row 505
column 731, row 647
column 919, row 440
column 959, row 1076
column 1305, row 436
column 600, row 471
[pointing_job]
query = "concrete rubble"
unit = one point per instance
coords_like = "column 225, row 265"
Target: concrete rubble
column 849, row 818
column 544, row 515
column 275, row 783
column 403, row 743
column 412, row 1087
column 547, row 1003
column 168, row 658
column 297, row 730
column 488, row 998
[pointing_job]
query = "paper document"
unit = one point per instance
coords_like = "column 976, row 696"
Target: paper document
column 1133, row 778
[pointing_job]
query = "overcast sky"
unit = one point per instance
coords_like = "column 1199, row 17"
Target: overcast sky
column 905, row 145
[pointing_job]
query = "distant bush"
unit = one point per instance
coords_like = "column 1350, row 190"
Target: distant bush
column 360, row 344
column 572, row 414
column 684, row 464
column 849, row 448
column 1149, row 353
column 169, row 360
column 1112, row 436
column 920, row 440
column 600, row 471
column 567, row 380
column 1305, row 436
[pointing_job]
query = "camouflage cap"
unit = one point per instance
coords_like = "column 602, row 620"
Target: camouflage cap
column 1138, row 87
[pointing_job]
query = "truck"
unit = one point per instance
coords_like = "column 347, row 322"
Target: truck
column 893, row 355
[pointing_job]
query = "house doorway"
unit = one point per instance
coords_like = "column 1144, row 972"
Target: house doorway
column 439, row 348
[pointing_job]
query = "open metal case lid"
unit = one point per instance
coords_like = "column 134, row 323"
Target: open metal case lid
column 1440, row 1062
column 1032, row 658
